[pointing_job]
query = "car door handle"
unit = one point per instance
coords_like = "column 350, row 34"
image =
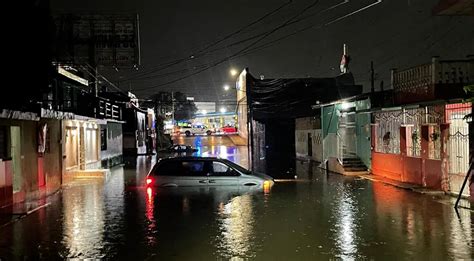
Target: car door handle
column 203, row 181
column 212, row 181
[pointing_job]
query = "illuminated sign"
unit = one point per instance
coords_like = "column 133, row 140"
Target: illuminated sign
column 73, row 76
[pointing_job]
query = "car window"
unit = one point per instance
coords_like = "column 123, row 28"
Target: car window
column 238, row 167
column 193, row 168
column 221, row 169
column 168, row 168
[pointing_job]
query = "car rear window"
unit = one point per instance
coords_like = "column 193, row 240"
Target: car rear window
column 167, row 168
column 181, row 168
column 193, row 168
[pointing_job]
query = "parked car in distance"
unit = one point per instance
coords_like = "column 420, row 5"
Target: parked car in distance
column 228, row 129
column 195, row 130
column 180, row 148
column 203, row 171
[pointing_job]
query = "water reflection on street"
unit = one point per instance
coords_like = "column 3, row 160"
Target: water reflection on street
column 318, row 216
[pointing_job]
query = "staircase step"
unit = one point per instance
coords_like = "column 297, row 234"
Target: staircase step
column 351, row 159
column 355, row 169
column 354, row 166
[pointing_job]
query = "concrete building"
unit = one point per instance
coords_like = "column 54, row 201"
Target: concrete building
column 425, row 139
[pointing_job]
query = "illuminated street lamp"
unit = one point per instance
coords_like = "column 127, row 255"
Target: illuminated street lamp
column 226, row 87
column 233, row 72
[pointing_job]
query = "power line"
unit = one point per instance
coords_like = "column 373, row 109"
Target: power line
column 238, row 52
column 203, row 50
column 259, row 35
column 247, row 50
column 266, row 33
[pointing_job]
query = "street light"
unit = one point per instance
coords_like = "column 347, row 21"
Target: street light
column 226, row 87
column 233, row 72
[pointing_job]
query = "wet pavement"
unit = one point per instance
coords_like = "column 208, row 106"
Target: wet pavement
column 319, row 216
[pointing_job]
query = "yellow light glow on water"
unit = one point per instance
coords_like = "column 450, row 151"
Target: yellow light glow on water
column 267, row 185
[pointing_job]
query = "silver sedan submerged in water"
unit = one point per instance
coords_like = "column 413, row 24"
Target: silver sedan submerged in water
column 203, row 171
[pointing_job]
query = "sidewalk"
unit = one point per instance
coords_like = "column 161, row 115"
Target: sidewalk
column 408, row 186
column 402, row 185
column 14, row 212
column 442, row 196
column 237, row 140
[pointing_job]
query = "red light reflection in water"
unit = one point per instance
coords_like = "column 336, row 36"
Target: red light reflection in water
column 150, row 206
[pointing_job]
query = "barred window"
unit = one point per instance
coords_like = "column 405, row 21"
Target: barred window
column 413, row 140
column 388, row 132
column 434, row 142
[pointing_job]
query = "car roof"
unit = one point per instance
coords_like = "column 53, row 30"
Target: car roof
column 189, row 158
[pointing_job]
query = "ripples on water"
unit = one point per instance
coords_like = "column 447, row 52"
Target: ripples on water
column 318, row 217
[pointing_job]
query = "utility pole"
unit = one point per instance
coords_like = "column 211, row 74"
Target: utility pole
column 172, row 108
column 344, row 66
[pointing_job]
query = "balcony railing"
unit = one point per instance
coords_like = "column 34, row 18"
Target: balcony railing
column 108, row 110
column 433, row 80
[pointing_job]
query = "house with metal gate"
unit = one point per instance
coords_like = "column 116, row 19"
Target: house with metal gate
column 425, row 138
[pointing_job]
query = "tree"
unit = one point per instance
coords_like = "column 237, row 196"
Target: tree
column 165, row 102
column 183, row 109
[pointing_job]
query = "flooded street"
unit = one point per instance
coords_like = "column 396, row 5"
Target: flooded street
column 319, row 216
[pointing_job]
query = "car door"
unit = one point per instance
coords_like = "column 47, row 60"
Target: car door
column 222, row 175
column 194, row 173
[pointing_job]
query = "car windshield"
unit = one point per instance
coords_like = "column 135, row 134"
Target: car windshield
column 238, row 167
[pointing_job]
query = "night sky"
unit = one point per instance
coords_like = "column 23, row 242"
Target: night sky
column 393, row 34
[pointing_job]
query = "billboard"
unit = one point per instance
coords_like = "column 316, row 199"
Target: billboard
column 97, row 39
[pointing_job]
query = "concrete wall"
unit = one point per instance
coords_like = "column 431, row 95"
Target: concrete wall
column 420, row 170
column 52, row 167
column 329, row 119
column 112, row 155
column 329, row 122
column 387, row 165
column 29, row 161
column 363, row 132
column 471, row 154
column 6, row 182
column 304, row 127
column 242, row 121
column 134, row 133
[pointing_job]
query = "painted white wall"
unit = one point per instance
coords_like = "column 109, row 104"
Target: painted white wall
column 301, row 144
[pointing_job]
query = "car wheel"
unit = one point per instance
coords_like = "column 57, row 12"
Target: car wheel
column 188, row 133
column 208, row 132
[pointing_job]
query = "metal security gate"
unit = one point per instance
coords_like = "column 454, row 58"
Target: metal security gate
column 458, row 144
column 458, row 148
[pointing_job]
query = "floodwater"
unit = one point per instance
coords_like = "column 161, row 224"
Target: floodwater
column 318, row 216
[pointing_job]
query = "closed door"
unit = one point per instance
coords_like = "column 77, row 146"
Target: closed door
column 16, row 157
column 72, row 153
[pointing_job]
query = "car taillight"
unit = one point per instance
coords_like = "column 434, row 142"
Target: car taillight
column 149, row 181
